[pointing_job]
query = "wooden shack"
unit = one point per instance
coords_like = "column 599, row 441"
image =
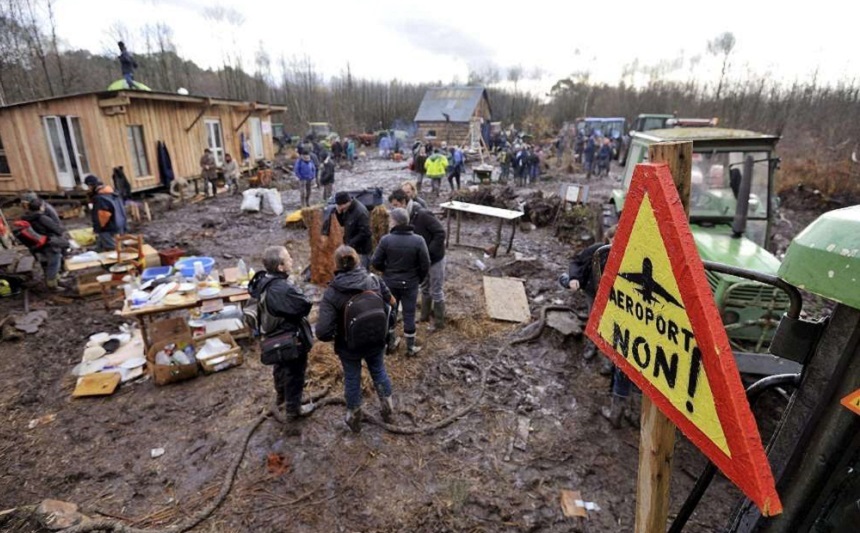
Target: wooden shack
column 51, row 145
column 454, row 115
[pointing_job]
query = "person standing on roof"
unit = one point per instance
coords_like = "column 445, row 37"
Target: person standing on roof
column 128, row 64
column 108, row 213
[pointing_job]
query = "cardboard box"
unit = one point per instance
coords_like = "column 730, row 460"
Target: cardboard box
column 230, row 358
column 162, row 333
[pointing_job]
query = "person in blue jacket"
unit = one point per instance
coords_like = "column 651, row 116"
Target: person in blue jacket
column 306, row 171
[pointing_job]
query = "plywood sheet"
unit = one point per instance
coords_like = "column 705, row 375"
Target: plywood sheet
column 98, row 384
column 506, row 299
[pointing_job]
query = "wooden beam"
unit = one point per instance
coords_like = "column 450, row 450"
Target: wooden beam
column 251, row 109
column 202, row 112
column 657, row 437
column 113, row 102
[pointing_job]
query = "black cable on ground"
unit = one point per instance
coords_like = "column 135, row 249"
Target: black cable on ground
column 227, row 485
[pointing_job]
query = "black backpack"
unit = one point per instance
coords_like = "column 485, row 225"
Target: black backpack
column 365, row 321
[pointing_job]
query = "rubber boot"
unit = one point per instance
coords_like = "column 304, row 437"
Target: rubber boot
column 426, row 308
column 633, row 409
column 607, row 367
column 439, row 316
column 300, row 411
column 590, row 351
column 411, row 349
column 393, row 342
column 386, row 405
column 353, row 419
column 615, row 411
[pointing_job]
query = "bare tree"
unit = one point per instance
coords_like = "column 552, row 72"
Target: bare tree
column 722, row 45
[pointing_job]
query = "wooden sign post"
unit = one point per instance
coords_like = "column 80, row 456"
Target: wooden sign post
column 655, row 317
column 657, row 433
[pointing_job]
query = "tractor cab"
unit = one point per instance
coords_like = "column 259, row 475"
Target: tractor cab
column 728, row 226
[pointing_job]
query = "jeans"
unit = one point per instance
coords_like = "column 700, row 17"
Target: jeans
column 290, row 381
column 53, row 260
column 305, row 188
column 418, row 181
column 431, row 287
column 352, row 378
column 105, row 241
column 454, row 175
column 435, row 185
column 408, row 298
column 621, row 384
column 327, row 188
column 129, row 79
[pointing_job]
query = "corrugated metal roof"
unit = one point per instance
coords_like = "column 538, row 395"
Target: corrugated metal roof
column 458, row 103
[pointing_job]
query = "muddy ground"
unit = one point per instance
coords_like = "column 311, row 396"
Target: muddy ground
column 467, row 476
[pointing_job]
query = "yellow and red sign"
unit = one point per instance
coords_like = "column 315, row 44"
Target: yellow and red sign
column 655, row 317
column 852, row 402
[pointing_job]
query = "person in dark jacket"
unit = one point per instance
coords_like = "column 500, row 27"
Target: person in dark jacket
column 286, row 307
column 28, row 197
column 327, row 178
column 404, row 261
column 418, row 164
column 430, row 229
column 128, row 64
column 108, row 213
column 50, row 255
column 353, row 217
column 350, row 279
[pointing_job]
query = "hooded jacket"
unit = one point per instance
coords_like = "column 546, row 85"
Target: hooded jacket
column 286, row 304
column 356, row 227
column 436, row 166
column 402, row 258
column 305, row 170
column 429, row 228
column 344, row 286
column 108, row 215
column 42, row 223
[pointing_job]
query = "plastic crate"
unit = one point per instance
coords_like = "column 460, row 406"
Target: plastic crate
column 155, row 272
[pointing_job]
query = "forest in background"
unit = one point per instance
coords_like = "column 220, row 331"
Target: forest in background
column 819, row 123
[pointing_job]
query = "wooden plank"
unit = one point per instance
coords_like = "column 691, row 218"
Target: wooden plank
column 506, row 299
column 98, row 384
column 657, row 434
column 476, row 209
column 25, row 264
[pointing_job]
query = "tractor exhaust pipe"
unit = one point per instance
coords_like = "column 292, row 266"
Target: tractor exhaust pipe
column 739, row 225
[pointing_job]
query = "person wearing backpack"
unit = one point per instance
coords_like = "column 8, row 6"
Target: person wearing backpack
column 108, row 213
column 47, row 243
column 354, row 313
column 404, row 261
column 286, row 337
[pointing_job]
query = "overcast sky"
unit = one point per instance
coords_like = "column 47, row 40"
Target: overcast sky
column 438, row 40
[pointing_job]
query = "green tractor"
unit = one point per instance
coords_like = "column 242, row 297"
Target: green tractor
column 731, row 210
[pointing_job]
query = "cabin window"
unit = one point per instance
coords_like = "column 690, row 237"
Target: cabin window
column 138, row 151
column 4, row 162
column 431, row 134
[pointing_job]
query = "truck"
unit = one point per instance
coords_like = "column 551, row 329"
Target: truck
column 726, row 227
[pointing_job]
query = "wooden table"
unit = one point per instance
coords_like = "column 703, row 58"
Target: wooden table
column 190, row 301
column 494, row 212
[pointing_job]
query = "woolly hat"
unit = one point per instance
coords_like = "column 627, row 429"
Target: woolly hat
column 92, row 181
column 399, row 216
column 341, row 198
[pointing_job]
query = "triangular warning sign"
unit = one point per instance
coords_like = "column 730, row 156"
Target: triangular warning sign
column 655, row 317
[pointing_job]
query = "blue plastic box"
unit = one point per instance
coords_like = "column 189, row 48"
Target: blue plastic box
column 155, row 272
column 185, row 266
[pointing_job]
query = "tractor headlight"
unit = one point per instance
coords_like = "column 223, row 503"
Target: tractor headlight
column 730, row 317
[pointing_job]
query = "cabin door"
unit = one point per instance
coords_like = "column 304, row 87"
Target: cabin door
column 256, row 138
column 59, row 152
column 215, row 141
column 65, row 143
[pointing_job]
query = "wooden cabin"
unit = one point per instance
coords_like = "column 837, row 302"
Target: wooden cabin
column 454, row 115
column 51, row 145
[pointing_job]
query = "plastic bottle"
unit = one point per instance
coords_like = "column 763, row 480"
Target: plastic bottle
column 243, row 270
column 199, row 273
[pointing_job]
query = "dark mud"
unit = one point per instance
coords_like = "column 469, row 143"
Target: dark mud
column 465, row 477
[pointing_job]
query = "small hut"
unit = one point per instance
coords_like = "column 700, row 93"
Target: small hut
column 454, row 115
